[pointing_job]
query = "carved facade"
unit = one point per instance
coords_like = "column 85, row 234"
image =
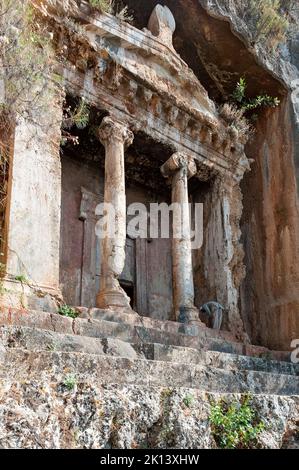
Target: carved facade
column 130, row 340
column 157, row 137
column 138, row 80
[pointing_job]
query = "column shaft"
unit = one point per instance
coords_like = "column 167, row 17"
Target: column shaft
column 115, row 137
column 179, row 168
column 181, row 247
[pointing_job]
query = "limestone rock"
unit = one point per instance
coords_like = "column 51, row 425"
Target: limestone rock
column 43, row 415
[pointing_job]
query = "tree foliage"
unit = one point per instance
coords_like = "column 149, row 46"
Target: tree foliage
column 267, row 20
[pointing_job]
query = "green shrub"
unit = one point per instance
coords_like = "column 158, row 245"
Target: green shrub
column 67, row 311
column 21, row 278
column 235, row 425
column 236, row 111
column 250, row 104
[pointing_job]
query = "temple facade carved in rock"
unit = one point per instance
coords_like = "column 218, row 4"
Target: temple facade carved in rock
column 155, row 136
column 149, row 263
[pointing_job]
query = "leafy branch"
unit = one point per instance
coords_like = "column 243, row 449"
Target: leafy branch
column 263, row 100
column 235, row 425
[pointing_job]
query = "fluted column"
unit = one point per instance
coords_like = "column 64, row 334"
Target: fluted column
column 115, row 137
column 179, row 168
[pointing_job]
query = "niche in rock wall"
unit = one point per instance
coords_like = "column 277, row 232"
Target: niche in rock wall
column 147, row 275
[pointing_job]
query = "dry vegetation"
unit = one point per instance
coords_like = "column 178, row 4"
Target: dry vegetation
column 235, row 118
column 267, row 20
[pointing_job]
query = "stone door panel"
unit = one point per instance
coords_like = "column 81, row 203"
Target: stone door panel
column 147, row 271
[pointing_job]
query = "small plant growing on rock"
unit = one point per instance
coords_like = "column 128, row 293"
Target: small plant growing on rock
column 188, row 400
column 70, row 382
column 235, row 425
column 123, row 15
column 22, row 279
column 109, row 6
column 272, row 24
column 239, row 126
column 67, row 311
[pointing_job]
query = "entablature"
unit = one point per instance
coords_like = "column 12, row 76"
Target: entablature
column 137, row 78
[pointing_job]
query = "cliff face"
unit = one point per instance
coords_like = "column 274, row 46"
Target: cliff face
column 270, row 302
column 270, row 224
column 218, row 45
column 127, row 417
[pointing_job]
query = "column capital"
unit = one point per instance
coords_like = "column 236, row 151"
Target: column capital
column 178, row 161
column 111, row 130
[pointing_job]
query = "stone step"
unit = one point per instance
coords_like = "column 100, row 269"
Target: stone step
column 120, row 316
column 222, row 341
column 159, row 352
column 19, row 365
column 135, row 333
column 234, row 362
column 144, row 334
column 34, row 339
column 128, row 332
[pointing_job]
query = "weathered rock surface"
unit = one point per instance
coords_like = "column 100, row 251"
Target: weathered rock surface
column 107, row 382
column 94, row 383
column 43, row 414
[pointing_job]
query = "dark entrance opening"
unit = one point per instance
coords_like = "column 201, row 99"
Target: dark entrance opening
column 128, row 287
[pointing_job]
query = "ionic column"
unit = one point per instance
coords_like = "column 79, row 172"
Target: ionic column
column 180, row 168
column 115, row 137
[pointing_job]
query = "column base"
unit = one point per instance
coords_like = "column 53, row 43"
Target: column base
column 113, row 298
column 189, row 315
